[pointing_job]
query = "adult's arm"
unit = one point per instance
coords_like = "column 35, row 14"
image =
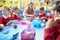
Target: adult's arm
column 49, row 30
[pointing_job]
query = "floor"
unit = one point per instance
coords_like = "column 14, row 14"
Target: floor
column 40, row 34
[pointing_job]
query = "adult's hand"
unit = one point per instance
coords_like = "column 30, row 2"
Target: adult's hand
column 52, row 22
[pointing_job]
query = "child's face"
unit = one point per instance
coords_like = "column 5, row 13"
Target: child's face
column 31, row 6
column 41, row 11
column 5, row 12
column 16, row 11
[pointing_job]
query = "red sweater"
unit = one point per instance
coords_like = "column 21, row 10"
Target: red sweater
column 49, row 17
column 15, row 17
column 4, row 20
column 42, row 15
column 52, row 33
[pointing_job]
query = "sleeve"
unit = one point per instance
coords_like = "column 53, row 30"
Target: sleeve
column 44, row 14
column 39, row 15
column 1, row 20
column 49, row 34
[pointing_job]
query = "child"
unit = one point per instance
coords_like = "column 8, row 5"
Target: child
column 29, row 12
column 52, row 31
column 15, row 15
column 5, row 19
column 42, row 14
column 29, row 33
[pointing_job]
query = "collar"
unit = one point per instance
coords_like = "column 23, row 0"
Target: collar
column 6, row 16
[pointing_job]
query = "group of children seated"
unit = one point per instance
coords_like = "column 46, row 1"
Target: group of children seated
column 8, row 16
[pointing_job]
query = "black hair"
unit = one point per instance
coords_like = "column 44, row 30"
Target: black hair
column 57, row 2
column 31, row 3
column 57, row 8
column 15, row 8
column 42, row 8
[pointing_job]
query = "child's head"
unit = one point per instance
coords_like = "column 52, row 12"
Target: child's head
column 42, row 9
column 57, row 10
column 31, row 5
column 30, row 9
column 29, row 25
column 6, row 10
column 15, row 9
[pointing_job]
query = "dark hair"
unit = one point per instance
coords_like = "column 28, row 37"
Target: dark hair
column 57, row 8
column 31, row 3
column 15, row 8
column 42, row 9
column 57, row 2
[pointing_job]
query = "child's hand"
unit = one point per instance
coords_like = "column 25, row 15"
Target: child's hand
column 1, row 25
column 52, row 22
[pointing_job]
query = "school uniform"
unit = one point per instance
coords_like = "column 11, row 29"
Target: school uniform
column 15, row 17
column 42, row 15
column 4, row 20
column 49, row 17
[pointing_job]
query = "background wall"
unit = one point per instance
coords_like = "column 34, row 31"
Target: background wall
column 22, row 4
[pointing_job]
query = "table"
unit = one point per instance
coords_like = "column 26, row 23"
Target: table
column 8, row 32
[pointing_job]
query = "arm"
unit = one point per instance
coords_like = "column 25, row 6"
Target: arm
column 49, row 34
column 50, row 30
column 9, row 22
column 1, row 23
